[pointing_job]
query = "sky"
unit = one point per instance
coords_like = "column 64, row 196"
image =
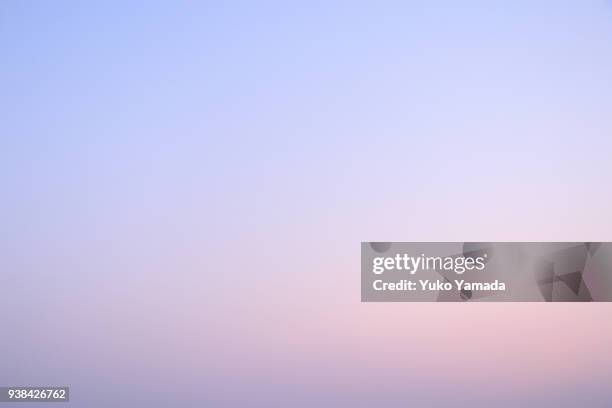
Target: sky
column 185, row 186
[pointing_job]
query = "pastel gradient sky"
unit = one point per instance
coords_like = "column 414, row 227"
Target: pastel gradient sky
column 185, row 186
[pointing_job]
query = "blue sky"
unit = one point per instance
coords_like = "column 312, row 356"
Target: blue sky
column 144, row 144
